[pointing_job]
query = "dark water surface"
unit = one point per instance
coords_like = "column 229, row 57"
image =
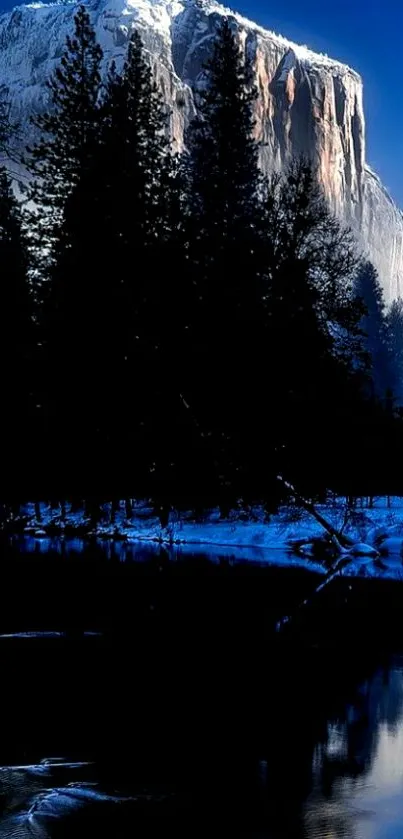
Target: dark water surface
column 181, row 713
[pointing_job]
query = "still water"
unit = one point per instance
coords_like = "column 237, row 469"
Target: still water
column 356, row 786
column 189, row 719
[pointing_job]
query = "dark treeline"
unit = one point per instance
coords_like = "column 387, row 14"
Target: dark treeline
column 180, row 327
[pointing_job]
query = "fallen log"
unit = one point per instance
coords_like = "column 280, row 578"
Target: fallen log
column 338, row 538
column 345, row 554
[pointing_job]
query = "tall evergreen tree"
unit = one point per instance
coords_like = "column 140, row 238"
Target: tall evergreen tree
column 17, row 337
column 58, row 162
column 225, row 325
column 315, row 343
column 134, row 184
column 395, row 331
column 67, row 135
column 136, row 147
column 16, row 309
column 141, row 208
column 376, row 329
column 105, row 310
column 301, row 230
column 223, row 155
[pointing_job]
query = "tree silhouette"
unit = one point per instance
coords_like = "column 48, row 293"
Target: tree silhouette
column 375, row 326
column 395, row 333
column 17, row 336
column 68, row 130
column 226, row 325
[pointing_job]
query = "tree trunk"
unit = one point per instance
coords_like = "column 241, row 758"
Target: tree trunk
column 337, row 537
column 92, row 510
column 114, row 509
column 333, row 572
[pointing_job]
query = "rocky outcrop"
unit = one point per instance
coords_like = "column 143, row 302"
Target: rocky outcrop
column 381, row 232
column 307, row 104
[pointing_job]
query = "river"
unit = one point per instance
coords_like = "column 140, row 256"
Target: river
column 151, row 696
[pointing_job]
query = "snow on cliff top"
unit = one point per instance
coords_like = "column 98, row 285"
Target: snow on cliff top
column 302, row 52
column 160, row 13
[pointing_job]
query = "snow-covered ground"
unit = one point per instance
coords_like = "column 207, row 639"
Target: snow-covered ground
column 252, row 533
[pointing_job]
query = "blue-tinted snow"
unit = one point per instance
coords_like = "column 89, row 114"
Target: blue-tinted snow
column 250, row 535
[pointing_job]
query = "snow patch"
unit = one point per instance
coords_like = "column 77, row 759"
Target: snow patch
column 302, row 52
column 375, row 533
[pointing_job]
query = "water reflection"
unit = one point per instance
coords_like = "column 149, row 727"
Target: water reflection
column 321, row 760
column 192, row 719
column 140, row 551
column 357, row 773
column 110, row 549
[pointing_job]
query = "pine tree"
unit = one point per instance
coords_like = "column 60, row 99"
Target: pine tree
column 17, row 337
column 16, row 309
column 225, row 323
column 223, row 153
column 68, row 132
column 314, row 358
column 375, row 326
column 104, row 305
column 301, row 230
column 222, row 168
column 136, row 145
column 142, row 211
column 58, row 162
column 395, row 331
column 135, row 175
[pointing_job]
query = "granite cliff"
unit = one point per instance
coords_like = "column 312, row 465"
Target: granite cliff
column 307, row 103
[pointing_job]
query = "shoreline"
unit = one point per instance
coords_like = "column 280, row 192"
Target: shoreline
column 243, row 534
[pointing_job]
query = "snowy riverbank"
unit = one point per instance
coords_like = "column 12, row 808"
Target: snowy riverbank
column 271, row 539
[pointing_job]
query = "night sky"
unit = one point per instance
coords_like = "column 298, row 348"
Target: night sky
column 367, row 35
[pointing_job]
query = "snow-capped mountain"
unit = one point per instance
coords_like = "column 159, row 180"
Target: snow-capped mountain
column 307, row 103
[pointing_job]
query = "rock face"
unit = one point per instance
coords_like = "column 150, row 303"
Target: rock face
column 307, row 104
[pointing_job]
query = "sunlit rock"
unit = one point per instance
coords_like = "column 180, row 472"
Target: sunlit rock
column 307, row 104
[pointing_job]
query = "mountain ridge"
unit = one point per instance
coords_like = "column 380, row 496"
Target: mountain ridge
column 307, row 103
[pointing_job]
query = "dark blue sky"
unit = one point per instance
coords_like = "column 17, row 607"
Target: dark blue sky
column 367, row 35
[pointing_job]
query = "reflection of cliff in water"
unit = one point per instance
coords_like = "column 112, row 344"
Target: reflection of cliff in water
column 330, row 732
column 358, row 766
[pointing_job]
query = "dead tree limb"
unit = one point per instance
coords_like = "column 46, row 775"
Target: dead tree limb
column 339, row 540
column 333, row 572
column 337, row 537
